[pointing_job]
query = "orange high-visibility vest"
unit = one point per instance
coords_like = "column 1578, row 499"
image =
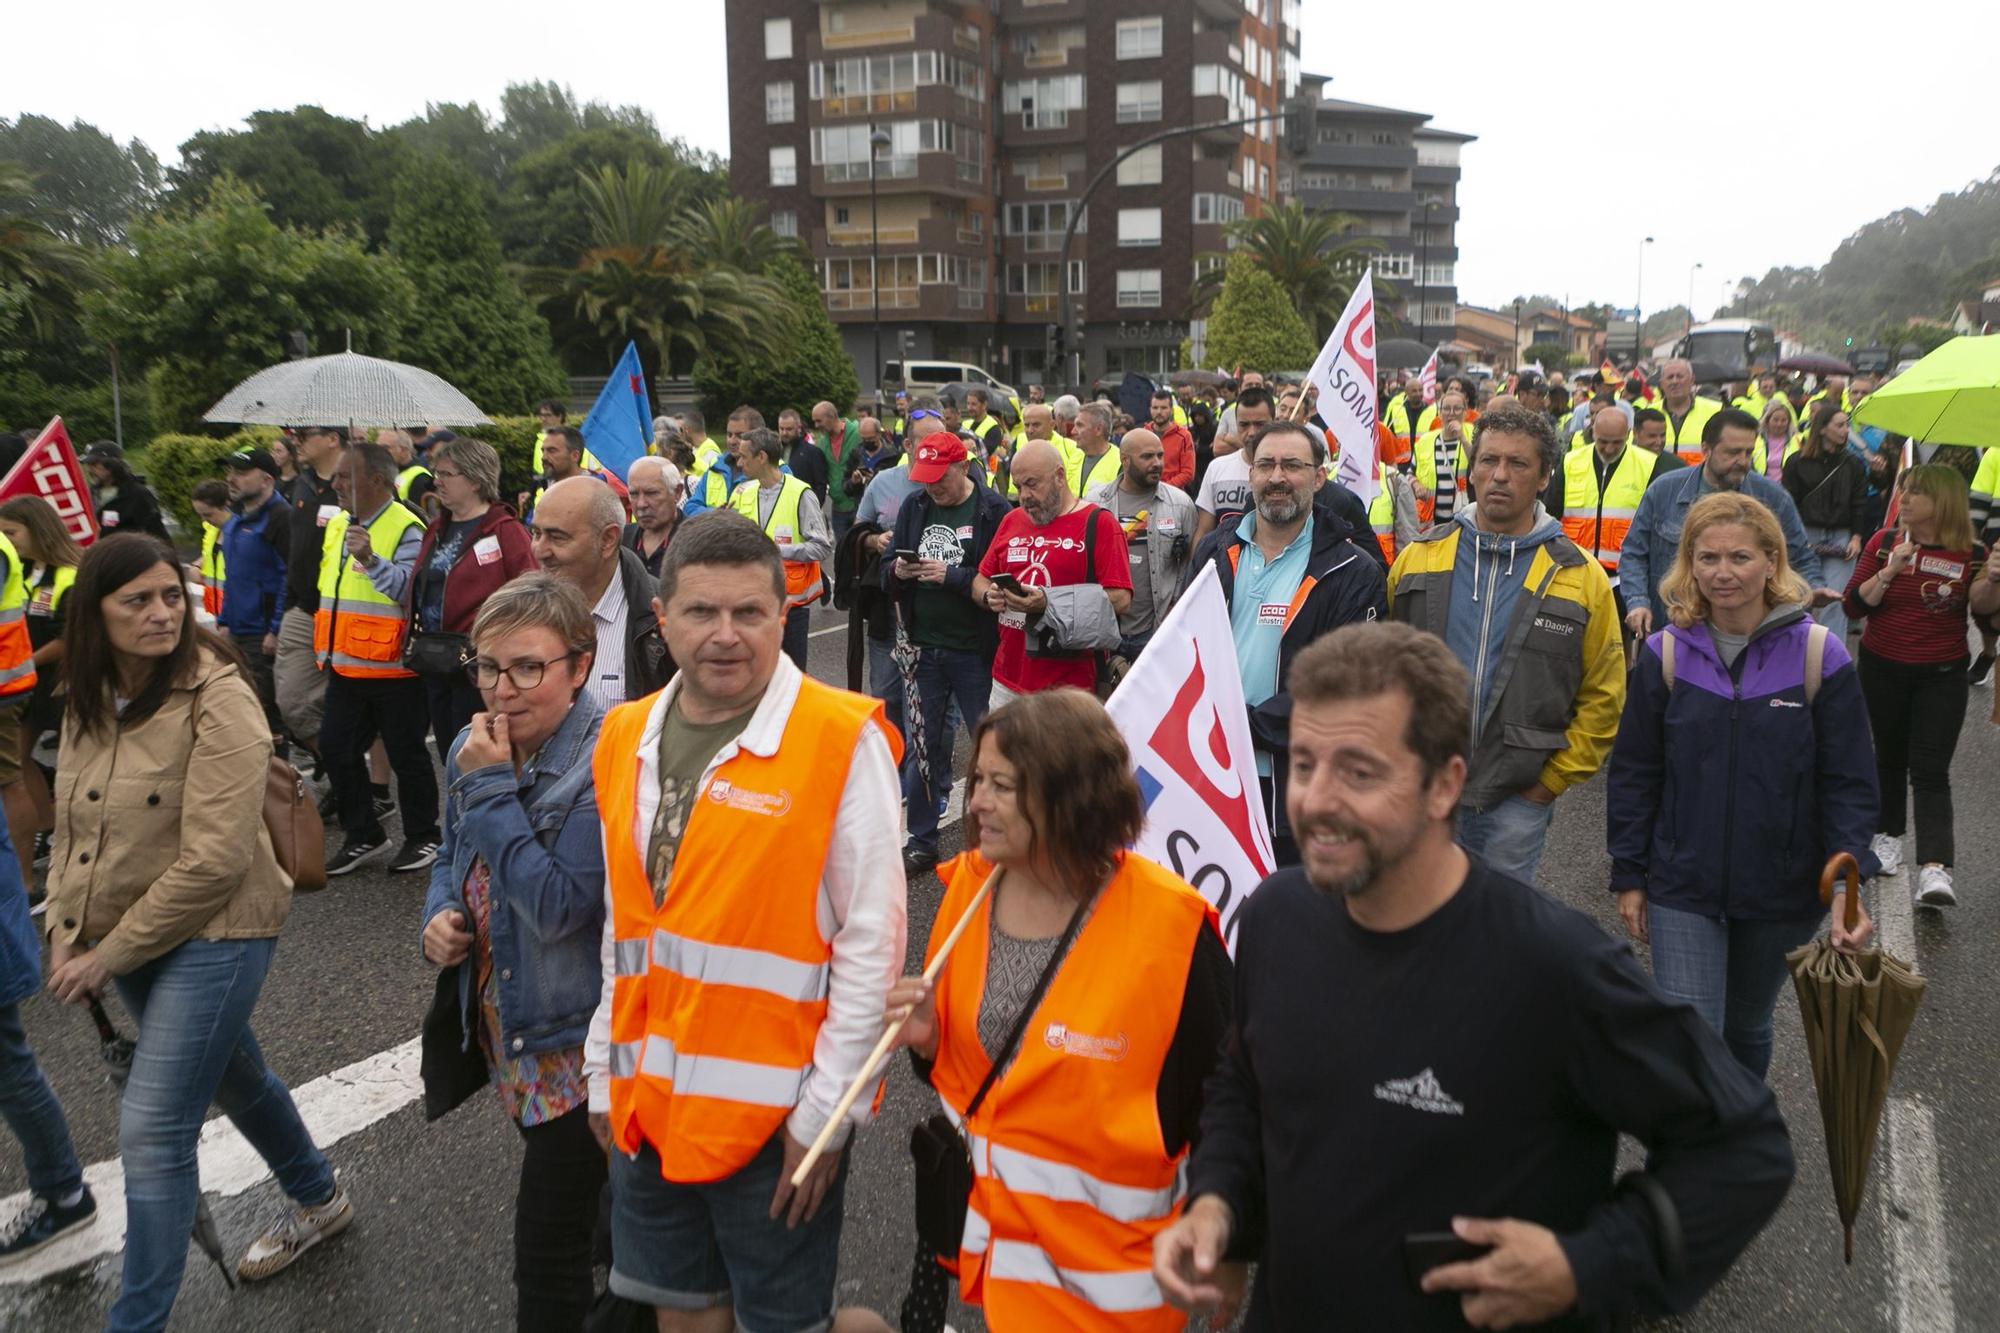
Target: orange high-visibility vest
column 1071, row 1175
column 1595, row 520
column 17, row 652
column 719, row 992
column 357, row 631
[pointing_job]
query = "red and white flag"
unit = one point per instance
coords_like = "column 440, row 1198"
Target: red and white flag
column 1344, row 374
column 1182, row 714
column 1427, row 378
column 49, row 469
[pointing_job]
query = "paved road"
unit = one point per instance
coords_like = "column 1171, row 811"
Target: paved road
column 431, row 1245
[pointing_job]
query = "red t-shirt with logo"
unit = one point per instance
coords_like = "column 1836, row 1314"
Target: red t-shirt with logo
column 1051, row 557
column 1922, row 619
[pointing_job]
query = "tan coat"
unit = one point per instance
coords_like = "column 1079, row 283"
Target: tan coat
column 160, row 833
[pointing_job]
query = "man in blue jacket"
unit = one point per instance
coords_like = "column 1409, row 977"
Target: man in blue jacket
column 253, row 568
column 1727, row 441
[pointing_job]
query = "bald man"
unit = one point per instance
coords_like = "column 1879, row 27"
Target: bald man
column 1686, row 413
column 840, row 440
column 1054, row 541
column 1039, row 421
column 655, row 489
column 576, row 532
column 1158, row 521
column 1597, row 490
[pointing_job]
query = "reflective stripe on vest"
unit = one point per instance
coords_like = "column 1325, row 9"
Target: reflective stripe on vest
column 407, row 477
column 1063, row 1211
column 720, row 988
column 1686, row 440
column 17, row 653
column 211, row 569
column 357, row 631
column 802, row 577
column 1596, row 522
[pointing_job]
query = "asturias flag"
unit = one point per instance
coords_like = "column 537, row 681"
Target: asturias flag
column 619, row 426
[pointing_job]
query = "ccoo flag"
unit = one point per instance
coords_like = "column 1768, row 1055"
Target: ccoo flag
column 620, row 424
column 1182, row 714
column 1427, row 378
column 1344, row 374
column 49, row 469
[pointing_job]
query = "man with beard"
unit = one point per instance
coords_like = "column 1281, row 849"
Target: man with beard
column 1158, row 520
column 804, row 457
column 1290, row 575
column 1427, row 1056
column 1170, row 424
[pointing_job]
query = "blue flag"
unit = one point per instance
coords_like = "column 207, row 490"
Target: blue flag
column 620, row 423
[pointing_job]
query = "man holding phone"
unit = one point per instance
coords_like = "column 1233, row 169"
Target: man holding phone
column 941, row 534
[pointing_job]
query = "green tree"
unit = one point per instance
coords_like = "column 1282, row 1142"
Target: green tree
column 1254, row 324
column 42, row 270
column 544, row 219
column 315, row 170
column 814, row 365
column 88, row 186
column 206, row 296
column 1553, row 356
column 462, row 132
column 474, row 326
column 732, row 232
column 1313, row 257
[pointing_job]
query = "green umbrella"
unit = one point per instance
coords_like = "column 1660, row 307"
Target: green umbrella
column 1951, row 396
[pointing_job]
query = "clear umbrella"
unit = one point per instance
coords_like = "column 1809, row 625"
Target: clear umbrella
column 345, row 389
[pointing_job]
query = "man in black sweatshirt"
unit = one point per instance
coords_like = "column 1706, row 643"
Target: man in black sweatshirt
column 1421, row 1045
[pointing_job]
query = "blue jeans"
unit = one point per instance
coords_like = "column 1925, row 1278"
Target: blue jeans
column 885, row 682
column 1730, row 971
column 1834, row 572
column 195, row 1047
column 798, row 629
column 944, row 677
column 1508, row 836
column 697, row 1247
column 31, row 1110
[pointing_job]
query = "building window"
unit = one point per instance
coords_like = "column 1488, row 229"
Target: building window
column 1431, row 153
column 972, row 284
column 1036, row 284
column 1139, row 39
column 1210, row 209
column 1043, row 104
column 1392, row 266
column 777, row 39
column 1139, row 226
column 1263, row 181
column 1143, row 167
column 843, row 150
column 1385, row 139
column 1040, row 226
column 784, row 166
column 1138, row 287
column 881, row 84
column 785, row 222
column 1138, row 101
column 778, row 109
column 1207, row 264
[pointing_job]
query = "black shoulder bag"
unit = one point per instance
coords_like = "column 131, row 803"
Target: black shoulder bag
column 943, row 1158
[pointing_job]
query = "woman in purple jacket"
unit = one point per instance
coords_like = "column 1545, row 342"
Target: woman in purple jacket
column 1743, row 761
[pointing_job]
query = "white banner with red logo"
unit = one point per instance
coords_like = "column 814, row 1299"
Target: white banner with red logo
column 1344, row 374
column 1182, row 714
column 1427, row 379
column 49, row 469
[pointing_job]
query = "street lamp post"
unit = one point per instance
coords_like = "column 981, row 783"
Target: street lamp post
column 878, row 139
column 1691, row 272
column 1639, row 302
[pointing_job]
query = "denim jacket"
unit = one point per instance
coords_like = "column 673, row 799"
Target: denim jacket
column 544, row 852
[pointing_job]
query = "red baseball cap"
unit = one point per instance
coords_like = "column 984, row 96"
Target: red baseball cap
column 935, row 456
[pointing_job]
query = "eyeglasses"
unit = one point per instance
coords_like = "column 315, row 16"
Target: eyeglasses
column 486, row 673
column 442, row 473
column 1293, row 467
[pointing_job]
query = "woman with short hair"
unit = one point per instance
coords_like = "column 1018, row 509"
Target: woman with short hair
column 447, row 589
column 1099, row 982
column 516, row 910
column 163, row 882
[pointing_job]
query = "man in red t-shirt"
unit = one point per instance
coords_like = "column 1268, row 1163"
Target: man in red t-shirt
column 1042, row 545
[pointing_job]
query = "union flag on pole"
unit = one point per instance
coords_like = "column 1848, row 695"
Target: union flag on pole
column 49, row 469
column 1182, row 714
column 1427, row 378
column 1344, row 374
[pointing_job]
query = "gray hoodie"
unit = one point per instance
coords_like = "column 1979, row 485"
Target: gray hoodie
column 1483, row 592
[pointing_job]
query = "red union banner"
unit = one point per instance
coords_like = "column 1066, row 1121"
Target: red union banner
column 49, row 469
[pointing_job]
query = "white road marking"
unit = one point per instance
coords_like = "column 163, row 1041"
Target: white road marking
column 341, row 1103
column 1891, row 907
column 1919, row 1262
column 830, row 629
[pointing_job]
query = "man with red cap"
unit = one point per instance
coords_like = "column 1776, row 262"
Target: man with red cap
column 941, row 535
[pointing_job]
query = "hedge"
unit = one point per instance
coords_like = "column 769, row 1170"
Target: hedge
column 175, row 464
column 513, row 438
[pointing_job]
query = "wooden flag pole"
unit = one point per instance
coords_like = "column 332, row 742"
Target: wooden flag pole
column 889, row 1035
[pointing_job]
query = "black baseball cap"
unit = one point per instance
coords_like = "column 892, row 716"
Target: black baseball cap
column 102, row 451
column 249, row 460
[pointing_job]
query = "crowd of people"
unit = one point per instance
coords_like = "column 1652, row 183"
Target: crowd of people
column 667, row 868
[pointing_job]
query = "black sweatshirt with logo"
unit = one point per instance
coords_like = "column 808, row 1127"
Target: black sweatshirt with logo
column 1478, row 1064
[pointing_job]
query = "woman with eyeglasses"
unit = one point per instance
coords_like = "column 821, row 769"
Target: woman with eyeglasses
column 474, row 546
column 516, row 908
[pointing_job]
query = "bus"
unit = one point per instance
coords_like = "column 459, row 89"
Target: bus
column 1729, row 348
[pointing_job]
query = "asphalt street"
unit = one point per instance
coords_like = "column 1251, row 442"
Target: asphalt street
column 431, row 1245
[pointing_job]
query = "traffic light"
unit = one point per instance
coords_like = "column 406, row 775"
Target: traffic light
column 1298, row 125
column 1850, row 342
column 907, row 341
column 1052, row 343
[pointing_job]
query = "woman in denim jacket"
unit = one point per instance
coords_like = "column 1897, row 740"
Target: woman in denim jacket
column 516, row 905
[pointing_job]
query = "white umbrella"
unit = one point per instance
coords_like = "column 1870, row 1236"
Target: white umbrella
column 345, row 389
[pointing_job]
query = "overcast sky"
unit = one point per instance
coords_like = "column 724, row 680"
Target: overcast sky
column 1738, row 139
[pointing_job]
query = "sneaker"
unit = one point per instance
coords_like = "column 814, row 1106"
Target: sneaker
column 917, row 861
column 42, row 1222
column 1982, row 669
column 1934, row 887
column 417, row 854
column 1889, row 851
column 329, row 806
column 352, row 853
column 293, row 1232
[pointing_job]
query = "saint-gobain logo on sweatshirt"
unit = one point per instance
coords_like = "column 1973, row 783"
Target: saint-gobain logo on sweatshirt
column 1059, row 1037
column 1422, row 1092
column 724, row 792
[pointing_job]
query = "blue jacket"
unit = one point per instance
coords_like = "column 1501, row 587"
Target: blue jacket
column 1726, row 794
column 1648, row 554
column 253, row 569
column 544, row 850
column 20, row 944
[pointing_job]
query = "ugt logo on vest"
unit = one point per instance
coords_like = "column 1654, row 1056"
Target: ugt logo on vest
column 776, row 804
column 1058, row 1037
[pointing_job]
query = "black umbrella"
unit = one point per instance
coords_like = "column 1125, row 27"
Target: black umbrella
column 996, row 402
column 116, row 1050
column 1813, row 363
column 1401, row 354
column 1200, row 379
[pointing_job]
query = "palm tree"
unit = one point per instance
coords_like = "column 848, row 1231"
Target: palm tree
column 39, row 269
column 1314, row 256
column 729, row 231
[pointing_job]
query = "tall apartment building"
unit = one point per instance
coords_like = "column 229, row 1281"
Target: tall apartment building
column 998, row 113
column 1398, row 176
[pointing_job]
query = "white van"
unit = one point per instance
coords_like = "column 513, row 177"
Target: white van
column 915, row 377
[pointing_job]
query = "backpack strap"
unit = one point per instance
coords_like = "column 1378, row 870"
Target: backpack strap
column 1667, row 659
column 1815, row 660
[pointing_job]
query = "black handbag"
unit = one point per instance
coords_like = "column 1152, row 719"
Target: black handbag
column 938, row 1147
column 453, row 1066
column 437, row 653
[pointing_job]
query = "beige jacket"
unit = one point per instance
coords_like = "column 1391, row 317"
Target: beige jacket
column 160, row 833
